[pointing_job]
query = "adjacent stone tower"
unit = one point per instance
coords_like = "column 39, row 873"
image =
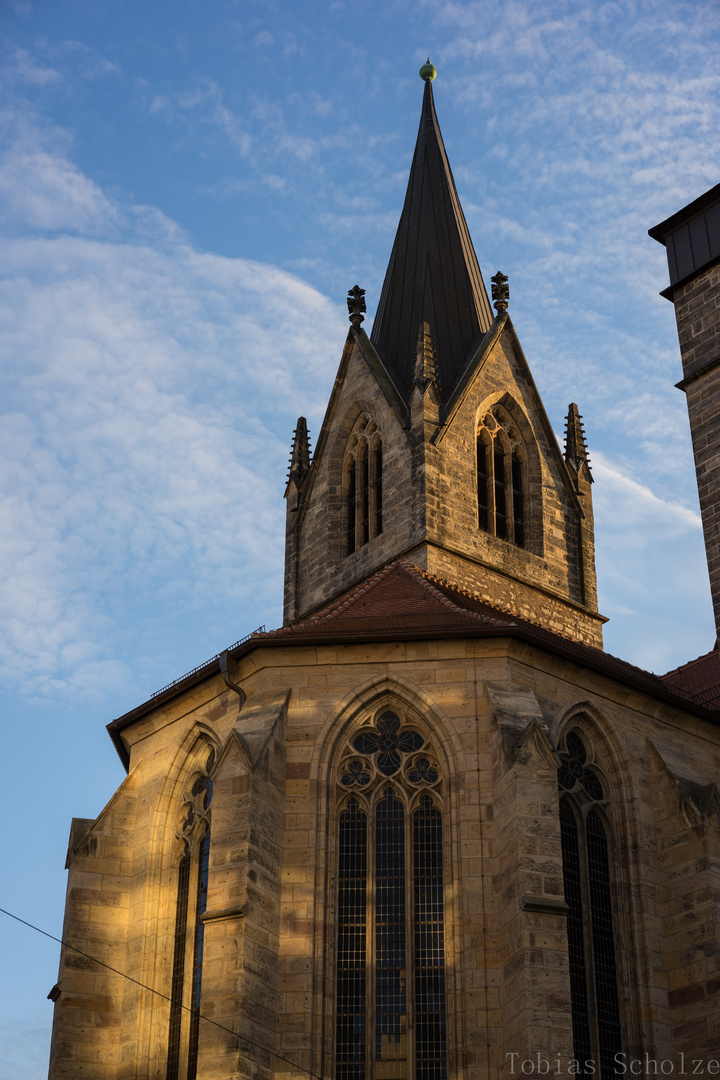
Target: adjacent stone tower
column 692, row 239
column 435, row 446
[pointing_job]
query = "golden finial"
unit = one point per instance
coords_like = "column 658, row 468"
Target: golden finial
column 428, row 71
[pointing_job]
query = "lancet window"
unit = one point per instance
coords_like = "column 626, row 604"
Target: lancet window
column 390, row 966
column 587, row 859
column 363, row 484
column 193, row 837
column 501, row 477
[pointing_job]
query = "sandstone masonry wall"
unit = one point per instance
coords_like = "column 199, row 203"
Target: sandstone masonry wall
column 697, row 309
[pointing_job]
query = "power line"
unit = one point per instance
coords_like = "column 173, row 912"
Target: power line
column 123, row 975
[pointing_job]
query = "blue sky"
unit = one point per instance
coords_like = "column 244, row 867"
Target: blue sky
column 187, row 192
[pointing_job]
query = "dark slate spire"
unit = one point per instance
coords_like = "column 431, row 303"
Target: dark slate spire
column 433, row 275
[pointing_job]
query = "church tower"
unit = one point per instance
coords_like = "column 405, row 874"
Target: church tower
column 692, row 241
column 427, row 829
column 436, row 447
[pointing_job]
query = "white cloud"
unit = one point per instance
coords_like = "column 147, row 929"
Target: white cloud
column 652, row 574
column 150, row 395
column 40, row 187
column 639, row 510
column 85, row 61
column 46, row 191
column 26, row 69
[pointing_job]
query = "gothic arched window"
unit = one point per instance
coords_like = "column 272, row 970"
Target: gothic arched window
column 194, row 840
column 501, row 477
column 390, row 907
column 584, row 830
column 363, row 484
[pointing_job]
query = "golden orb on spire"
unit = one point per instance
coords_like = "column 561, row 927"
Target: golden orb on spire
column 428, row 71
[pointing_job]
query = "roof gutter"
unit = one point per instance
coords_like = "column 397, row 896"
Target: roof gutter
column 579, row 654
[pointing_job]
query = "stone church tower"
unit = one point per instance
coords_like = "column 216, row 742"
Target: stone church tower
column 427, row 829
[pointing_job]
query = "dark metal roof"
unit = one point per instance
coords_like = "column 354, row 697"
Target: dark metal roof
column 691, row 237
column 433, row 275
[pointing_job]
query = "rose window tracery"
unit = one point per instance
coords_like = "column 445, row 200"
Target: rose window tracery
column 388, row 748
column 574, row 771
column 423, row 772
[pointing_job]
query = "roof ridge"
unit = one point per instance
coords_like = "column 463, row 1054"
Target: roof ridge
column 430, row 582
column 356, row 591
column 546, row 633
column 689, row 663
column 433, row 583
column 346, row 600
column 466, row 592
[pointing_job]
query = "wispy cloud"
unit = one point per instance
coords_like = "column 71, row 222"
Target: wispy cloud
column 651, row 570
column 141, row 464
column 26, row 69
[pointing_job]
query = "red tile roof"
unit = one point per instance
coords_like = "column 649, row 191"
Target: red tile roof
column 398, row 596
column 403, row 601
column 700, row 678
column 402, row 597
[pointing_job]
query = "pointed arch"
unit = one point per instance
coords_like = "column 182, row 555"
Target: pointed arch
column 193, row 835
column 351, row 836
column 370, row 694
column 362, row 482
column 162, row 872
column 389, row 805
column 599, row 830
column 508, row 474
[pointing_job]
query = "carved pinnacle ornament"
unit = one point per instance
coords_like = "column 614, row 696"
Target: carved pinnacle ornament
column 356, row 305
column 500, row 292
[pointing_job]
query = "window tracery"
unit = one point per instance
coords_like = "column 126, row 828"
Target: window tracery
column 390, row 1005
column 501, row 464
column 586, row 855
column 363, row 484
column 193, row 837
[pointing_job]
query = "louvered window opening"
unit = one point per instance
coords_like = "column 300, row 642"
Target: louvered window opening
column 363, row 485
column 597, row 1033
column 191, row 903
column 390, row 989
column 500, row 479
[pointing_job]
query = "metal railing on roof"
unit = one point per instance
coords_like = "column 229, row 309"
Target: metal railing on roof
column 176, row 682
column 707, row 696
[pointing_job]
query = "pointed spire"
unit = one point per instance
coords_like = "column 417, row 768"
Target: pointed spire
column 576, row 451
column 299, row 454
column 433, row 275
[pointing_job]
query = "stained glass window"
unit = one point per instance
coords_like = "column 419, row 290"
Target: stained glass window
column 190, row 906
column 597, row 1035
column 176, row 1009
column 390, row 913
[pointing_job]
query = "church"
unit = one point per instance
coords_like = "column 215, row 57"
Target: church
column 427, row 829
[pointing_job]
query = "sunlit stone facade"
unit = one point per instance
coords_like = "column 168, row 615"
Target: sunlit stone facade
column 427, row 828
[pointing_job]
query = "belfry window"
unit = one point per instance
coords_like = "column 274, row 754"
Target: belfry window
column 363, row 484
column 390, row 964
column 194, row 840
column 584, row 830
column 500, row 478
